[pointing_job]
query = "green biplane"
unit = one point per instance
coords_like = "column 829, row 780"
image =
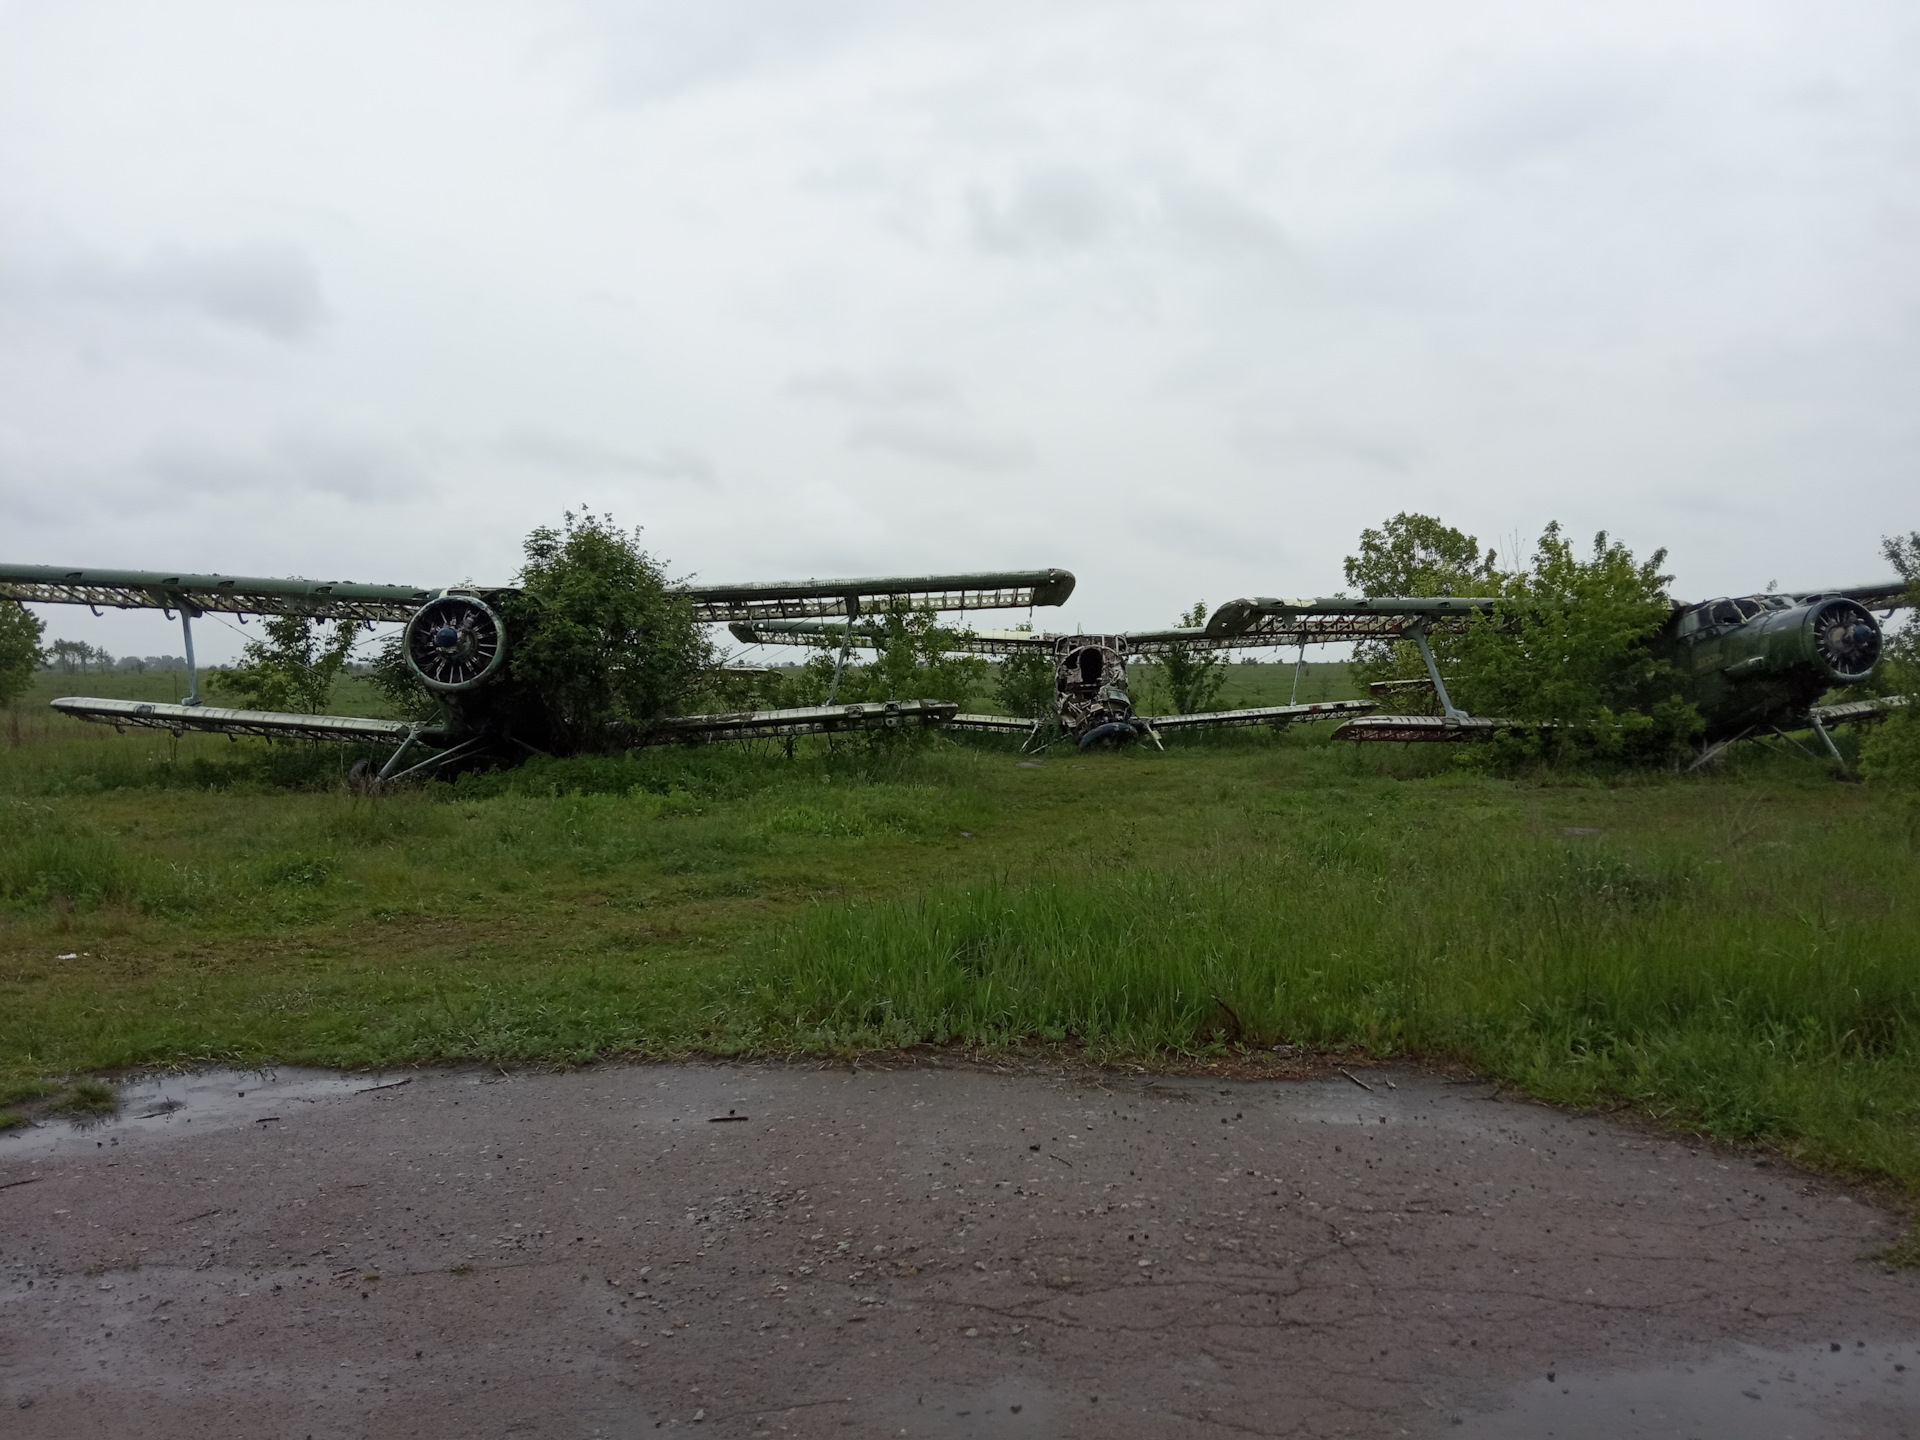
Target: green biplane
column 457, row 644
column 1092, row 698
column 1752, row 665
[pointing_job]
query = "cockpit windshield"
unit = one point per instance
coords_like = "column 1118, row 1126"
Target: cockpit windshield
column 1714, row 614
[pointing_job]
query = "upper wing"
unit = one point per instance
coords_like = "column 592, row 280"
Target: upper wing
column 1887, row 595
column 339, row 600
column 1270, row 621
column 983, row 642
column 233, row 594
column 814, row 599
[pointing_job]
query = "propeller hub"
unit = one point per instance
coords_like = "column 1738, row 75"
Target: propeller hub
column 455, row 642
column 1847, row 639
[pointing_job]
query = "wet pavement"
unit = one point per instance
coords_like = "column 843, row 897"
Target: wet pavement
column 745, row 1250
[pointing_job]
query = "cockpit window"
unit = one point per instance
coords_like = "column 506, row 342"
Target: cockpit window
column 1749, row 608
column 1725, row 612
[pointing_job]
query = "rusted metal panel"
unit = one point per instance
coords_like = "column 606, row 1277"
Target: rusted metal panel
column 803, row 720
column 1328, row 619
column 993, row 724
column 1263, row 715
column 1417, row 729
column 1852, row 712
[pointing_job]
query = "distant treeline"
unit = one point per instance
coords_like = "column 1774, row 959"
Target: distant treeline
column 76, row 657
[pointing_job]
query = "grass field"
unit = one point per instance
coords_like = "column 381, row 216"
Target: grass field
column 1732, row 953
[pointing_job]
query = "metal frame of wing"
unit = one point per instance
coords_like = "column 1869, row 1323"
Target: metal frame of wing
column 825, row 599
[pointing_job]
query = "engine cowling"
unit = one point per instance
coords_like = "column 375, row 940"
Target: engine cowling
column 1845, row 638
column 455, row 642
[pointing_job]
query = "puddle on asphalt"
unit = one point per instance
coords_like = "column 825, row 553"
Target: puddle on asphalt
column 1825, row 1392
column 1010, row 1407
column 180, row 1106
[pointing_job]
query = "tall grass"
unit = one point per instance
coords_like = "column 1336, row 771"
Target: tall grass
column 1757, row 994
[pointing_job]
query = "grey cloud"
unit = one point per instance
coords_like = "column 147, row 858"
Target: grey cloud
column 1048, row 210
column 1544, row 114
column 1066, row 210
column 967, row 448
column 300, row 461
column 1184, row 532
column 881, row 390
column 582, row 456
column 262, row 285
column 1308, row 441
column 657, row 50
column 1216, row 219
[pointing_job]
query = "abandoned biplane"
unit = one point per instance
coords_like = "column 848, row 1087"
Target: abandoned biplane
column 1752, row 665
column 457, row 644
column 1092, row 701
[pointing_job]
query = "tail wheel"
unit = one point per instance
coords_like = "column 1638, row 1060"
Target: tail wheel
column 1847, row 639
column 455, row 642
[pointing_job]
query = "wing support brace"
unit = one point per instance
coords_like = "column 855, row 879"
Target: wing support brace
column 1416, row 631
column 187, row 612
column 853, row 614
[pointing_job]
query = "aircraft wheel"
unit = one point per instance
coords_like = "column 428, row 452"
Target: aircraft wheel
column 1113, row 732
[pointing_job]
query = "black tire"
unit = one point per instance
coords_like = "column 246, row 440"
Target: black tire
column 1114, row 732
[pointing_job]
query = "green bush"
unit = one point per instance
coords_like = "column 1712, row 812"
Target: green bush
column 292, row 668
column 913, row 660
column 1569, row 645
column 1023, row 683
column 599, row 643
column 1890, row 754
column 20, row 653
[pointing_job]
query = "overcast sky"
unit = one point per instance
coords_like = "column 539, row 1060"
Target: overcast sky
column 1179, row 297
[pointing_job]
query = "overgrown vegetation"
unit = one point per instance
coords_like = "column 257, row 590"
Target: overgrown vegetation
column 1568, row 643
column 1415, row 555
column 1023, row 684
column 1890, row 755
column 598, row 640
column 20, row 653
column 913, row 660
column 293, row 666
column 1187, row 679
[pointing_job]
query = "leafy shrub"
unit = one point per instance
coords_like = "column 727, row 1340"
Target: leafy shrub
column 1890, row 754
column 599, row 642
column 1415, row 555
column 1187, row 677
column 1568, row 646
column 1023, row 684
column 292, row 668
column 913, row 660
column 20, row 653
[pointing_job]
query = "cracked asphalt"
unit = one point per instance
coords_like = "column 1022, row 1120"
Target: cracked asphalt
column 748, row 1250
